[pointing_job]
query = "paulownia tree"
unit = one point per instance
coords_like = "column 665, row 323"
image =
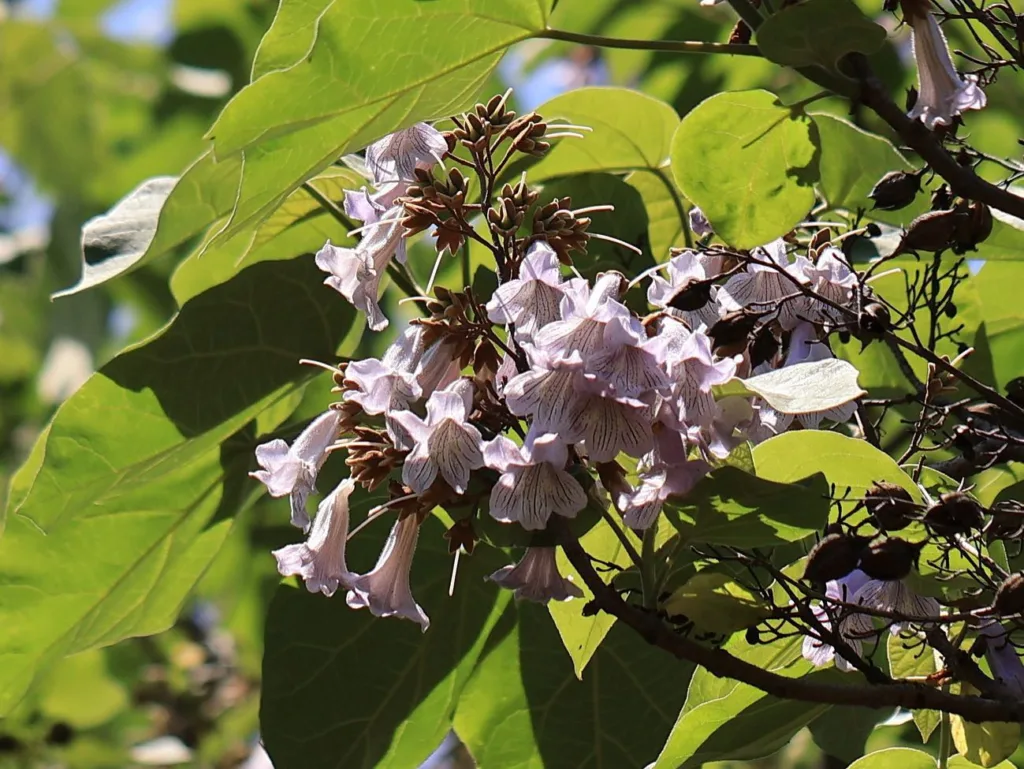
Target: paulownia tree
column 716, row 391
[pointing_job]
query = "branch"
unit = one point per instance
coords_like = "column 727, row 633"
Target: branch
column 721, row 663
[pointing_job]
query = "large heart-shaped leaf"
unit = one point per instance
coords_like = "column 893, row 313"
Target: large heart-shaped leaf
column 144, row 467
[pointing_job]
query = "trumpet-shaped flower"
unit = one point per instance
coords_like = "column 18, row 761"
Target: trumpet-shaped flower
column 355, row 273
column 762, row 286
column 398, row 155
column 533, row 482
column 385, row 591
column 585, row 313
column 696, row 371
column 320, row 561
column 1003, row 659
column 445, row 442
column 536, row 578
column 831, row 277
column 532, row 300
column 548, row 392
column 896, row 596
column 852, row 627
column 608, row 423
column 942, row 93
column 641, row 506
column 292, row 470
column 684, row 270
column 628, row 361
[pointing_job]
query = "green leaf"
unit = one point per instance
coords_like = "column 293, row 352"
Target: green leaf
column 916, row 662
column 292, row 123
column 343, row 688
column 1003, row 316
column 959, row 762
column 724, row 719
column 290, row 36
column 843, row 731
column 581, row 635
column 81, row 691
column 631, row 131
column 666, row 213
column 846, row 462
column 904, row 758
column 203, row 193
column 749, row 163
column 715, row 602
column 803, row 388
column 852, row 161
column 732, row 507
column 986, row 744
column 524, row 707
column 818, row 32
column 146, row 464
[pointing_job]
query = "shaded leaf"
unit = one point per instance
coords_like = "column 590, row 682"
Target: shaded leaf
column 715, row 602
column 343, row 688
column 986, row 744
column 666, row 212
column 145, row 466
column 905, row 758
column 749, row 163
column 732, row 507
column 818, row 32
column 523, row 706
column 906, row 662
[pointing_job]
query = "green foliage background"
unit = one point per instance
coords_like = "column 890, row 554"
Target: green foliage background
column 129, row 517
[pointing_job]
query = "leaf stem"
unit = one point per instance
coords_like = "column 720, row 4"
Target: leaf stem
column 648, row 572
column 945, row 737
column 684, row 219
column 673, row 46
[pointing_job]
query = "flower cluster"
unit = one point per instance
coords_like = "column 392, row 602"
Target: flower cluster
column 531, row 403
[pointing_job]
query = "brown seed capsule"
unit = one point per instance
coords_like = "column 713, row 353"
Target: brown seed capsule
column 891, row 506
column 954, row 513
column 1007, row 521
column 740, row 33
column 1015, row 390
column 694, row 295
column 933, row 231
column 765, row 346
column 895, row 190
column 973, row 227
column 833, row 557
column 890, row 559
column 729, row 335
column 874, row 319
column 1009, row 598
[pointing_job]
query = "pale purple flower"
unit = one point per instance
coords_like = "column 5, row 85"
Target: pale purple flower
column 641, row 506
column 438, row 367
column 385, row 591
column 356, row 273
column 684, row 269
column 533, row 482
column 292, row 470
column 831, row 277
column 699, row 224
column 320, row 561
column 536, row 578
column 398, row 155
column 1003, row 659
column 369, row 209
column 506, row 370
column 696, row 371
column 628, row 361
column 445, row 442
column 382, row 388
column 532, row 300
column 853, row 627
column 896, row 596
column 608, row 423
column 586, row 313
column 942, row 93
column 761, row 286
column 548, row 392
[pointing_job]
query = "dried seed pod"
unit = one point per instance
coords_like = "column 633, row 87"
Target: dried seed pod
column 1015, row 390
column 973, row 227
column 765, row 346
column 461, row 534
column 933, row 231
column 954, row 513
column 1007, row 521
column 890, row 559
column 1009, row 598
column 693, row 296
column 730, row 334
column 891, row 506
column 740, row 33
column 834, row 557
column 820, row 239
column 895, row 190
column 874, row 319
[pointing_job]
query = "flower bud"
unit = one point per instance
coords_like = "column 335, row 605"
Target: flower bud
column 895, row 190
column 891, row 506
column 833, row 557
column 890, row 559
column 1009, row 598
column 954, row 513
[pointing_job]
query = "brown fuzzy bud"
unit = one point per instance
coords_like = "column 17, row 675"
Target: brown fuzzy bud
column 891, row 506
column 895, row 190
column 890, row 559
column 833, row 557
column 1009, row 598
column 954, row 513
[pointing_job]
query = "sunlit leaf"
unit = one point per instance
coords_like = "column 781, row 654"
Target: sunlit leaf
column 818, row 32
